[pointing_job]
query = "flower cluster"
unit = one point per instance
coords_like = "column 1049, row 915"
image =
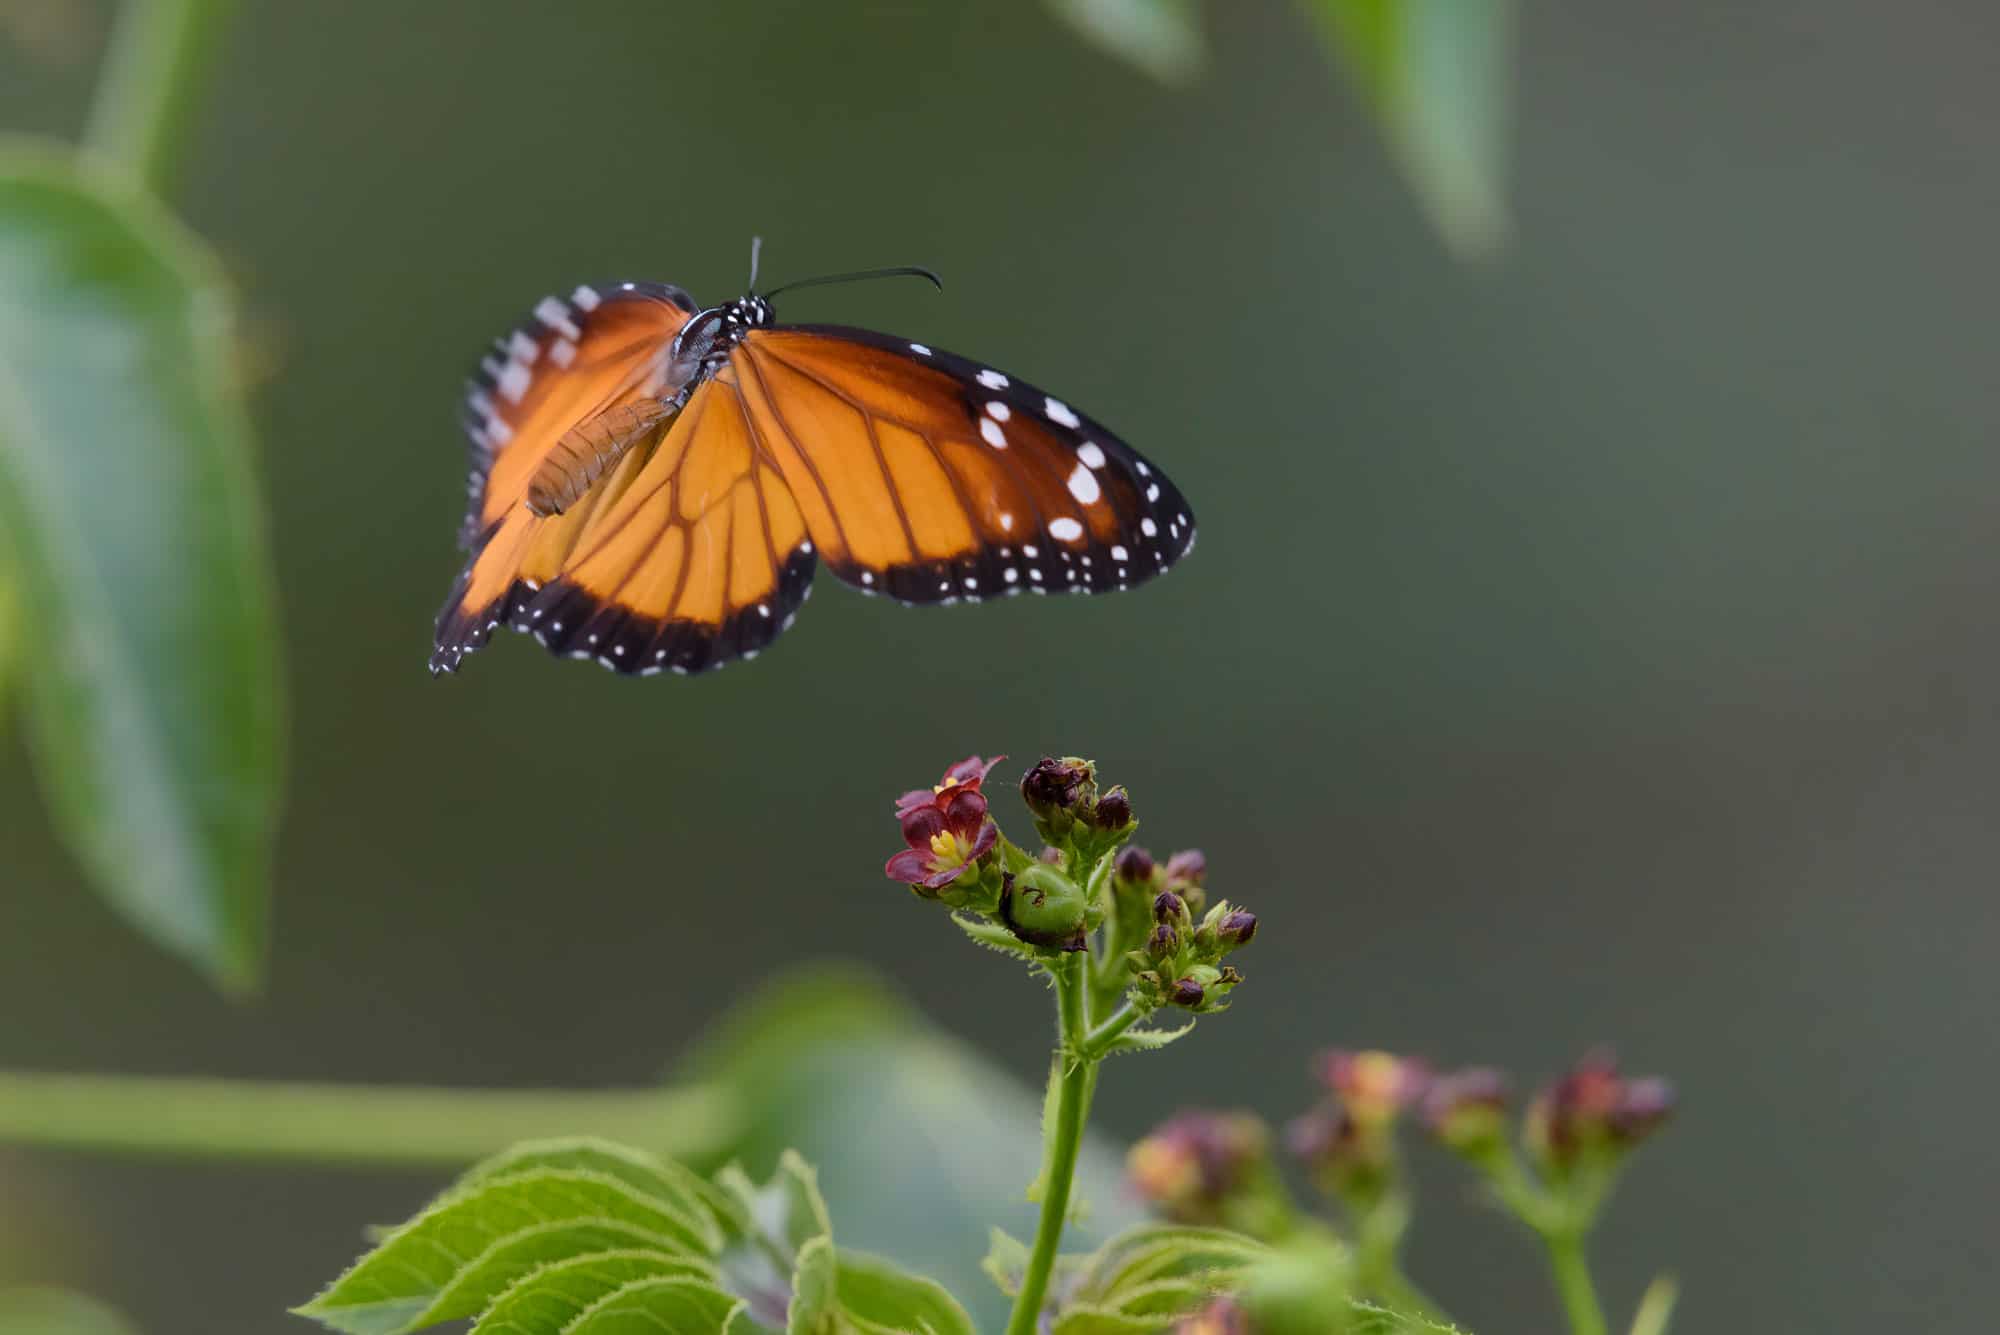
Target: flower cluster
column 1163, row 943
column 1195, row 1167
column 1201, row 1168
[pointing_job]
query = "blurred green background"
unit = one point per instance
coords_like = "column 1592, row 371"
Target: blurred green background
column 1598, row 643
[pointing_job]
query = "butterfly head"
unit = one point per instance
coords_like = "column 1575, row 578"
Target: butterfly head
column 705, row 342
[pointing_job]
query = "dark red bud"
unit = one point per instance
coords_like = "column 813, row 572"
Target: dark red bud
column 1188, row 865
column 1237, row 929
column 1168, row 907
column 1187, row 992
column 1053, row 785
column 1163, row 942
column 1134, row 864
column 1114, row 810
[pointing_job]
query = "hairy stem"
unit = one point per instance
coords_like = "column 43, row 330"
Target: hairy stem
column 1572, row 1277
column 1062, row 1136
column 344, row 1124
column 152, row 79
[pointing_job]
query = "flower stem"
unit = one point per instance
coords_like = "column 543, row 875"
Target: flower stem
column 153, row 76
column 1572, row 1277
column 1062, row 1136
column 1099, row 1039
column 344, row 1124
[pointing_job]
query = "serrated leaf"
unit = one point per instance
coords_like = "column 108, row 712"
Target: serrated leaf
column 132, row 522
column 1375, row 1319
column 1161, row 37
column 38, row 1311
column 1006, row 1262
column 1091, row 1319
column 659, row 1306
column 884, row 1104
column 508, row 1259
column 1145, row 1254
column 1148, row 1040
column 404, row 1282
column 813, row 1278
column 663, row 1180
column 877, row 1295
column 548, row 1299
column 993, row 936
column 1436, row 74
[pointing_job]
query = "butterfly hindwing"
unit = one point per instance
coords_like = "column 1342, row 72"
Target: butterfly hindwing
column 933, row 479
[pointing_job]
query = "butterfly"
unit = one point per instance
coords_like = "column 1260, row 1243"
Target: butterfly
column 653, row 481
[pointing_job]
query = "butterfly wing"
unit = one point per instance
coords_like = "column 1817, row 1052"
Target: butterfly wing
column 932, row 478
column 688, row 553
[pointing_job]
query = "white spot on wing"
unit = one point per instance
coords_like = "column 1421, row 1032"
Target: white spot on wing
column 1120, row 554
column 563, row 352
column 513, row 382
column 992, row 380
column 1066, row 529
column 1090, row 454
column 1149, row 528
column 1006, row 522
column 585, row 299
column 991, row 430
column 1059, row 412
column 920, row 350
column 1083, row 486
column 1001, row 412
column 556, row 316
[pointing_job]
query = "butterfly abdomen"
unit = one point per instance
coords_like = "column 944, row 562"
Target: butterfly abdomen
column 587, row 451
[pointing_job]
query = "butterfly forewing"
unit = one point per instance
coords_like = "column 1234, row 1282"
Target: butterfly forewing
column 933, row 478
column 614, row 527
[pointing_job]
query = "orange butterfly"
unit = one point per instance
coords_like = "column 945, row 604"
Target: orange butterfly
column 652, row 482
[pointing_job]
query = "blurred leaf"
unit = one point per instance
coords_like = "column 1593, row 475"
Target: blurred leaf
column 1437, row 75
column 1374, row 1319
column 1151, row 1273
column 479, row 1239
column 55, row 1312
column 886, row 1105
column 1161, row 37
column 10, row 641
column 874, row 1294
column 1656, row 1306
column 131, row 518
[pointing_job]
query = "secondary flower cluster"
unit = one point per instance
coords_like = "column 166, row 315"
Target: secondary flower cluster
column 1216, row 1167
column 1154, row 934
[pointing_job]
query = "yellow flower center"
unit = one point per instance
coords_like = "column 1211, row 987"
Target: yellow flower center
column 949, row 849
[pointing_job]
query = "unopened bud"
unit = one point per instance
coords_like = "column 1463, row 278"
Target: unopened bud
column 1045, row 908
column 1594, row 1106
column 1169, row 907
column 1134, row 865
column 1188, row 993
column 1187, row 866
column 1467, row 1110
column 1236, row 929
column 1114, row 810
column 1164, row 943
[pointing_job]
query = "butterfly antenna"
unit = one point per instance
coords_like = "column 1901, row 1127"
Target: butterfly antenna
column 756, row 253
column 899, row 271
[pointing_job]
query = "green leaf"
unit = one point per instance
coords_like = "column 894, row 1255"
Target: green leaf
column 920, row 1144
column 1148, row 1040
column 55, row 1312
column 131, row 520
column 1437, row 75
column 675, row 1187
column 664, row 1305
column 1006, row 1261
column 995, row 937
column 553, row 1296
column 1374, row 1319
column 875, row 1295
column 813, row 1278
column 1148, row 1253
column 1161, row 37
column 477, row 1240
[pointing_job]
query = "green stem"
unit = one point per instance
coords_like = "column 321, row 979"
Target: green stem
column 344, row 1124
column 1572, row 1277
column 153, row 75
column 1099, row 1040
column 1063, row 1136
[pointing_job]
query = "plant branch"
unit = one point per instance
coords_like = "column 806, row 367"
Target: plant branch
column 153, row 76
column 1063, row 1136
column 1572, row 1277
column 344, row 1124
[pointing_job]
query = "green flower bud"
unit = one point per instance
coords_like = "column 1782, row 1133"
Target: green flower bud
column 1045, row 908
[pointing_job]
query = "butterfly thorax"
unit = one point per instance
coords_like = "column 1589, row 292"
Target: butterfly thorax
column 705, row 341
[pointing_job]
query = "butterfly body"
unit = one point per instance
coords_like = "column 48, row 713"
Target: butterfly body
column 655, row 482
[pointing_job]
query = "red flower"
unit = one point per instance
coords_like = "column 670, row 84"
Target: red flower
column 968, row 773
column 946, row 827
